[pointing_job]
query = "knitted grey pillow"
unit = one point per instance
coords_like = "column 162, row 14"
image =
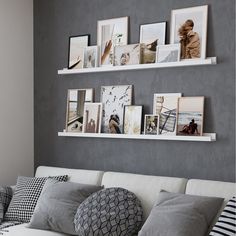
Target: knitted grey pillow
column 111, row 211
column 5, row 199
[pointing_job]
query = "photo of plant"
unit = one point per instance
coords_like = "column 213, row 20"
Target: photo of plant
column 132, row 119
column 127, row 55
column 75, row 108
column 189, row 28
column 92, row 118
column 151, row 35
column 190, row 116
column 151, row 124
column 90, row 57
column 111, row 33
column 114, row 98
column 165, row 105
column 168, row 53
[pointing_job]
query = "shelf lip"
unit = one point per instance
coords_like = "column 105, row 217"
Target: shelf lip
column 187, row 62
column 207, row 137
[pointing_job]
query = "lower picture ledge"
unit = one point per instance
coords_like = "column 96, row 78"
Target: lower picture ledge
column 207, row 137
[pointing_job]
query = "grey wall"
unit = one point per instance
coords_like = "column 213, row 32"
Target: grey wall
column 56, row 20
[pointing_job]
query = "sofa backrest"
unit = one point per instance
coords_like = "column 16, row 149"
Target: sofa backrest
column 146, row 187
column 93, row 177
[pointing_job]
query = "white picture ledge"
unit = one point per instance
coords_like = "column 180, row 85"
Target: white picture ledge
column 207, row 137
column 188, row 62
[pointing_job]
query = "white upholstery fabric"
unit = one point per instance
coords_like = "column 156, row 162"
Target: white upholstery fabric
column 93, row 177
column 146, row 187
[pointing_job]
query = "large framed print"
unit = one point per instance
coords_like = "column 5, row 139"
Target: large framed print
column 165, row 105
column 75, row 108
column 114, row 98
column 111, row 33
column 76, row 51
column 132, row 119
column 189, row 28
column 190, row 116
column 151, row 35
column 92, row 118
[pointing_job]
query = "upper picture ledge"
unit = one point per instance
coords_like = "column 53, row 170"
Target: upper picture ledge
column 188, row 62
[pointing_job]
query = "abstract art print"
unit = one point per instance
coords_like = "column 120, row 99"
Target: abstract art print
column 111, row 33
column 165, row 105
column 75, row 108
column 92, row 118
column 114, row 98
column 132, row 119
column 151, row 35
column 76, row 51
column 189, row 28
column 127, row 55
column 151, row 124
column 168, row 53
column 90, row 57
column 190, row 116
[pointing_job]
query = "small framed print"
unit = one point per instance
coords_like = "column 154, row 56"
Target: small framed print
column 151, row 124
column 151, row 35
column 132, row 119
column 190, row 116
column 111, row 33
column 91, row 57
column 76, row 51
column 92, row 118
column 75, row 108
column 168, row 53
column 189, row 28
column 127, row 55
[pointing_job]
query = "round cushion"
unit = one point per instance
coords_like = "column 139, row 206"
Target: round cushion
column 110, row 211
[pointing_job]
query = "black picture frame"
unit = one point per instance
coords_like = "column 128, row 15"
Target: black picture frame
column 87, row 38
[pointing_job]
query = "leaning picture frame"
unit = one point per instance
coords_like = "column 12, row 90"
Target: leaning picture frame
column 91, row 57
column 189, row 28
column 111, row 33
column 151, row 124
column 76, row 50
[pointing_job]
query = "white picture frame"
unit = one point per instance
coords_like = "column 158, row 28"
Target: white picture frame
column 91, row 57
column 168, row 53
column 191, row 22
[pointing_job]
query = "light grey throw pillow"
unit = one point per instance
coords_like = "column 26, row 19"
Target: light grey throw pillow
column 177, row 214
column 57, row 205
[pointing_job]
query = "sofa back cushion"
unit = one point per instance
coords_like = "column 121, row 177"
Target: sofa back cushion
column 93, row 177
column 145, row 187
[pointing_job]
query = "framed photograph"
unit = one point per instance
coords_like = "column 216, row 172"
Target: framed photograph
column 127, row 55
column 111, row 33
column 189, row 28
column 91, row 57
column 151, row 124
column 168, row 53
column 76, row 51
column 132, row 119
column 165, row 105
column 114, row 98
column 75, row 108
column 151, row 35
column 92, row 118
column 190, row 116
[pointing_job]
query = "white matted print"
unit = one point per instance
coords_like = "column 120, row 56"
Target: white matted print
column 75, row 108
column 168, row 53
column 151, row 35
column 92, row 118
column 111, row 33
column 151, row 124
column 132, row 119
column 190, row 116
column 165, row 105
column 90, row 57
column 114, row 98
column 189, row 28
column 127, row 55
column 76, row 51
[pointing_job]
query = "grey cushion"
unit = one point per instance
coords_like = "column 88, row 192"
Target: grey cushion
column 111, row 211
column 57, row 205
column 5, row 199
column 177, row 214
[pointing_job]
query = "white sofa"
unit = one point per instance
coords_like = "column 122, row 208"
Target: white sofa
column 146, row 188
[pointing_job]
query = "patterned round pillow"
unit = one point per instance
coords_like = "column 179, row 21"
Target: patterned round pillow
column 110, row 211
